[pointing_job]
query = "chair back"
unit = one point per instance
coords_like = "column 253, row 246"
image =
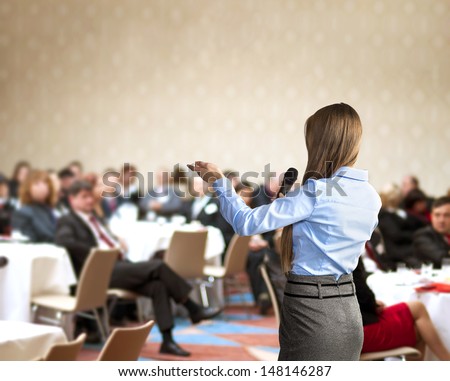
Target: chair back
column 125, row 344
column 236, row 255
column 94, row 279
column 272, row 294
column 66, row 352
column 186, row 253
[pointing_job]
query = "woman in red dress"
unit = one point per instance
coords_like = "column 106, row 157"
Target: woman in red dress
column 403, row 324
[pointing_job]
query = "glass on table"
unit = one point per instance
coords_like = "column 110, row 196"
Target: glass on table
column 160, row 220
column 401, row 268
column 426, row 270
column 178, row 220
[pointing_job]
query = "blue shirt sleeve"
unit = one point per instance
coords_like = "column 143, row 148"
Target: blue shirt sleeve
column 298, row 205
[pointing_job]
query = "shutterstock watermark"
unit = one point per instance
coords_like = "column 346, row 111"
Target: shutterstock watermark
column 130, row 183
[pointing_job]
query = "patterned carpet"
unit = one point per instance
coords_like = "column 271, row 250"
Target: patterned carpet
column 237, row 334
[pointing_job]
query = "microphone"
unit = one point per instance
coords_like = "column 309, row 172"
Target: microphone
column 3, row 261
column 290, row 177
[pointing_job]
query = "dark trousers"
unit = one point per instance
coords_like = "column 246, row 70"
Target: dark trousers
column 155, row 280
column 254, row 260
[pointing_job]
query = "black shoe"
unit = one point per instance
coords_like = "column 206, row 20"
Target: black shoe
column 172, row 348
column 205, row 314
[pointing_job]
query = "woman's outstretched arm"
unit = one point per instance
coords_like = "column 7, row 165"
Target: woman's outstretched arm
column 296, row 206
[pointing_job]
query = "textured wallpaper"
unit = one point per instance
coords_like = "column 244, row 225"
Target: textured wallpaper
column 157, row 82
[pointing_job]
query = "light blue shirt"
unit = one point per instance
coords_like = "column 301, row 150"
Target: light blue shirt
column 332, row 219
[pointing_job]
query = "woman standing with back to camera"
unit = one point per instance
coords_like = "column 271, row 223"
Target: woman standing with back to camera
column 326, row 224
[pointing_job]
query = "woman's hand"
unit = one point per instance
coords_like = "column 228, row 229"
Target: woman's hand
column 209, row 172
column 380, row 306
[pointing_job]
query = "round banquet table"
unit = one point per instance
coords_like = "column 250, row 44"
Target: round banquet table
column 25, row 341
column 392, row 288
column 32, row 269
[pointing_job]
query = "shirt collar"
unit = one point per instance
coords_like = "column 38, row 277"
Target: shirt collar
column 85, row 216
column 352, row 173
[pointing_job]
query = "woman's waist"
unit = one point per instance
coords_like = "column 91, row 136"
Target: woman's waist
column 319, row 286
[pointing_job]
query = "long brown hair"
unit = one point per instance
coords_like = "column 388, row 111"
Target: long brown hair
column 333, row 136
column 33, row 177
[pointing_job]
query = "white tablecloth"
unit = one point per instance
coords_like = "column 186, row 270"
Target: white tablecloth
column 392, row 288
column 32, row 269
column 145, row 238
column 26, row 341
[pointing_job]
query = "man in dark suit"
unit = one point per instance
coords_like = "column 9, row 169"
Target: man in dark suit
column 432, row 243
column 206, row 209
column 80, row 231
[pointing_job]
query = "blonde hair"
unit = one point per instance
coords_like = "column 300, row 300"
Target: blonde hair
column 391, row 196
column 333, row 137
column 33, row 177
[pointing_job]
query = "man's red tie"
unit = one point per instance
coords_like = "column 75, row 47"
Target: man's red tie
column 100, row 233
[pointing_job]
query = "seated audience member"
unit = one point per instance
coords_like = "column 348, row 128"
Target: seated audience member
column 81, row 230
column 396, row 228
column 233, row 176
column 36, row 218
column 415, row 204
column 245, row 191
column 110, row 182
column 267, row 192
column 55, row 180
column 432, row 243
column 76, row 168
column 399, row 325
column 181, row 175
column 409, row 183
column 6, row 207
column 66, row 178
column 101, row 206
column 20, row 173
column 161, row 198
column 130, row 185
column 204, row 207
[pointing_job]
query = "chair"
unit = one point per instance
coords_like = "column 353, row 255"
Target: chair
column 234, row 263
column 125, row 344
column 121, row 294
column 272, row 294
column 66, row 352
column 91, row 292
column 186, row 256
column 401, row 352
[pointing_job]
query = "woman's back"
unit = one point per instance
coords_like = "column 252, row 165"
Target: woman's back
column 343, row 217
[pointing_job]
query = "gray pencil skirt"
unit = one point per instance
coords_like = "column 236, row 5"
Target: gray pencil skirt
column 320, row 319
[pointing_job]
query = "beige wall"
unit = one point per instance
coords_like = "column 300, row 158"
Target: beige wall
column 160, row 82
